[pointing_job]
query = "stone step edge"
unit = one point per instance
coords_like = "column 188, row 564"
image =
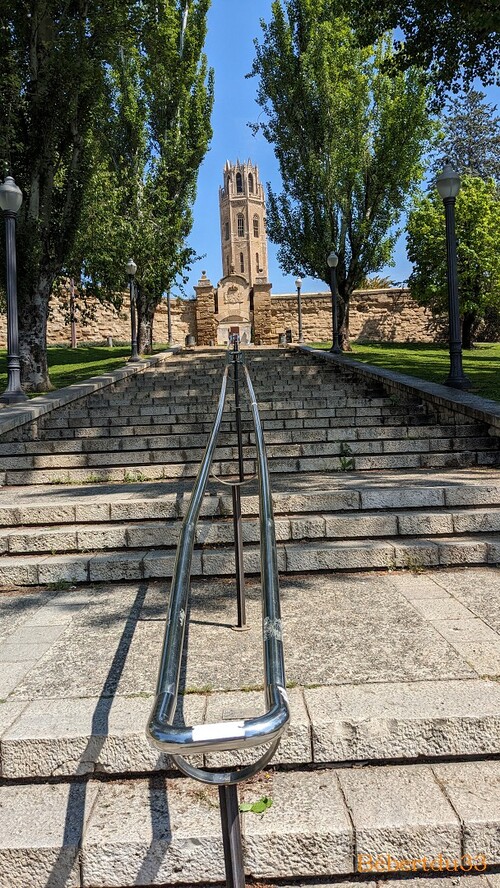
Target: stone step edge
column 162, row 471
column 216, row 531
column 386, row 495
column 330, row 724
column 138, row 564
column 17, row 415
column 167, row 831
column 174, row 456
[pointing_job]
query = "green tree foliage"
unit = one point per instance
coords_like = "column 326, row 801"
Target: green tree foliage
column 477, row 226
column 454, row 41
column 348, row 139
column 471, row 136
column 161, row 96
column 51, row 81
column 100, row 110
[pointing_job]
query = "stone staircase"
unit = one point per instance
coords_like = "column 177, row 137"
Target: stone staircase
column 387, row 517
column 346, row 461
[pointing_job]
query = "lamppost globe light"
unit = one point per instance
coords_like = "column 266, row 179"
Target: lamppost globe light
column 131, row 267
column 448, row 182
column 11, row 197
column 333, row 260
column 298, row 283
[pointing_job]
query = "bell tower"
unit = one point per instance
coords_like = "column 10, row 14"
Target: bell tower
column 242, row 220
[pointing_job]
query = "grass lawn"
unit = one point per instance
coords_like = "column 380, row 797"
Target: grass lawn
column 481, row 364
column 70, row 365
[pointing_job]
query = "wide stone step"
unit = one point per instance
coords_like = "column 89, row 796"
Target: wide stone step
column 60, row 504
column 323, row 555
column 272, row 410
column 193, row 452
column 324, row 439
column 330, row 724
column 149, row 534
column 147, row 437
column 62, row 428
column 130, row 467
column 321, row 823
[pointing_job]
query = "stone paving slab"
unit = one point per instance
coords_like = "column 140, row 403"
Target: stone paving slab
column 401, row 811
column 40, row 834
column 474, row 792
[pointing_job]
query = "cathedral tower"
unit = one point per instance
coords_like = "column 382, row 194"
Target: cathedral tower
column 242, row 220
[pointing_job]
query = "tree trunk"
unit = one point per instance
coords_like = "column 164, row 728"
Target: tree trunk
column 145, row 317
column 469, row 325
column 33, row 312
column 344, row 324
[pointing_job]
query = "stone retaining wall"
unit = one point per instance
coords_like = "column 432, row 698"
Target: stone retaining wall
column 103, row 320
column 375, row 315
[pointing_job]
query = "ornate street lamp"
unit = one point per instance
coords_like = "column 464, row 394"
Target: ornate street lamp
column 448, row 185
column 298, row 284
column 11, row 199
column 333, row 261
column 131, row 271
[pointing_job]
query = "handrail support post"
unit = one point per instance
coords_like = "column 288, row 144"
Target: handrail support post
column 238, row 531
column 231, row 836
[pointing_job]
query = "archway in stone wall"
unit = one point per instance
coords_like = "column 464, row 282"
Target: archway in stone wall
column 234, row 323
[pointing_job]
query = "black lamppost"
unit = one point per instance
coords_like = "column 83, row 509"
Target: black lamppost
column 448, row 185
column 298, row 284
column 131, row 270
column 333, row 261
column 11, row 199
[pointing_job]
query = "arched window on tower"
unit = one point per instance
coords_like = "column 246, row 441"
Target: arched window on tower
column 250, row 183
column 241, row 225
column 242, row 263
column 257, row 262
column 239, row 183
column 227, row 230
column 256, row 226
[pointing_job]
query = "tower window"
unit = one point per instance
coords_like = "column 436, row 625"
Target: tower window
column 227, row 230
column 228, row 264
column 242, row 263
column 256, row 226
column 239, row 183
column 250, row 183
column 241, row 226
column 257, row 262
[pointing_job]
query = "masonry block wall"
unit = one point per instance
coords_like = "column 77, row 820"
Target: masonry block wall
column 375, row 315
column 104, row 320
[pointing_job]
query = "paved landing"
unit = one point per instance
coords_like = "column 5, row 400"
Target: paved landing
column 394, row 664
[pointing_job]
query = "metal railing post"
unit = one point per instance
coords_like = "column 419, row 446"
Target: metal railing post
column 231, row 836
column 238, row 534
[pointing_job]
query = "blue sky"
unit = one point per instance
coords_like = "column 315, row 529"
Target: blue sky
column 232, row 27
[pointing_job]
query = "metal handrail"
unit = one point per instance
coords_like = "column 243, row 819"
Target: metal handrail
column 246, row 732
